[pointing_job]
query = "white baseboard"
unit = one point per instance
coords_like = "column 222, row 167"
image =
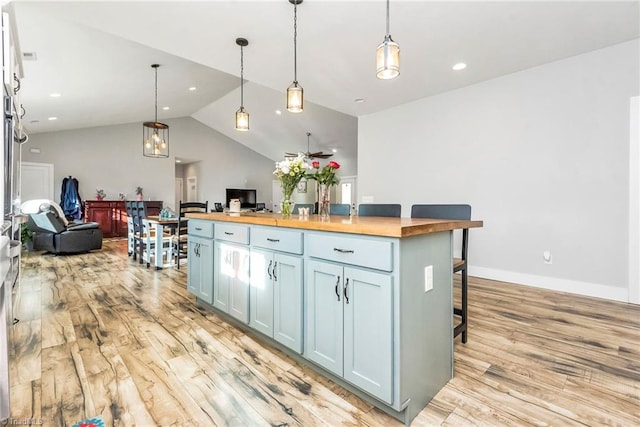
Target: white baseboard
column 552, row 283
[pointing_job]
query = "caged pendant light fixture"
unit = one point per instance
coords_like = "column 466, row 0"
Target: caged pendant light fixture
column 388, row 56
column 242, row 117
column 295, row 102
column 155, row 135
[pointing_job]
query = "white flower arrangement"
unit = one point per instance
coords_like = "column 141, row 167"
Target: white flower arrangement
column 290, row 171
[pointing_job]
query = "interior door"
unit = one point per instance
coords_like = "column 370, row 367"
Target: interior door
column 37, row 181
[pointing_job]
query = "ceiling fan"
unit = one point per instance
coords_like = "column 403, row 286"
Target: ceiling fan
column 309, row 154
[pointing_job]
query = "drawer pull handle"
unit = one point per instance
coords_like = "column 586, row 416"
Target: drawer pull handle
column 343, row 251
column 337, row 284
column 269, row 269
column 228, row 234
column 269, row 239
column 346, row 285
column 275, row 278
column 198, row 229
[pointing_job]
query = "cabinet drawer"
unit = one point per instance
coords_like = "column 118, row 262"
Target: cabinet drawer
column 279, row 240
column 200, row 228
column 360, row 251
column 232, row 233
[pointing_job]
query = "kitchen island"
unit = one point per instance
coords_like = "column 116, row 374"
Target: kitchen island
column 367, row 301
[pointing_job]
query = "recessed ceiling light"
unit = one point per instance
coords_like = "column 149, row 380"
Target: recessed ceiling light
column 192, row 88
column 52, row 118
column 165, row 108
column 459, row 66
column 278, row 112
column 55, row 95
column 178, row 161
column 359, row 100
column 335, row 150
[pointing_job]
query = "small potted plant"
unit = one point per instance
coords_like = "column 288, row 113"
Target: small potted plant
column 100, row 194
column 26, row 236
column 139, row 195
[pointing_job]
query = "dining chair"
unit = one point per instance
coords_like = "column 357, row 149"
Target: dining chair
column 144, row 236
column 180, row 238
column 130, row 232
column 379, row 209
column 459, row 212
column 340, row 209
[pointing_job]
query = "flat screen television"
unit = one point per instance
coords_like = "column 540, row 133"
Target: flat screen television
column 247, row 197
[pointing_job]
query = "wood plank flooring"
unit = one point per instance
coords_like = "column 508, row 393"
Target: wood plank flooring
column 102, row 335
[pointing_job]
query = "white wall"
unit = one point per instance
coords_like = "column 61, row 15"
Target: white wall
column 542, row 157
column 111, row 158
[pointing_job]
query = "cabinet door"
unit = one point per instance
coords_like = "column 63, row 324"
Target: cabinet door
column 200, row 268
column 231, row 290
column 223, row 269
column 103, row 216
column 287, row 301
column 261, row 291
column 323, row 316
column 368, row 332
column 239, row 284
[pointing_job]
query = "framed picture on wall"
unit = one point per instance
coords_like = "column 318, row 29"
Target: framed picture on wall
column 302, row 186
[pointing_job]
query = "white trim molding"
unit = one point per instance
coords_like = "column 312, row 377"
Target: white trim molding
column 634, row 200
column 597, row 290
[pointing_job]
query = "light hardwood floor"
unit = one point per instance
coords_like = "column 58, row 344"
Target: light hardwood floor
column 101, row 335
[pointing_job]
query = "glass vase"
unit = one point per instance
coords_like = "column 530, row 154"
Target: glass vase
column 286, row 207
column 324, row 201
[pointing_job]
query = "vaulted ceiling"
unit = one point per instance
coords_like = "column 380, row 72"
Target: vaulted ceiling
column 97, row 56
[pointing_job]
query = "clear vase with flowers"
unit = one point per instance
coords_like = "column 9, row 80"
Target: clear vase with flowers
column 290, row 172
column 325, row 177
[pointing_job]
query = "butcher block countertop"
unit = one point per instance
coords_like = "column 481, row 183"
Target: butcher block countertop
column 373, row 226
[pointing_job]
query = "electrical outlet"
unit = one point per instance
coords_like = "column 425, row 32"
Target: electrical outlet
column 428, row 278
column 547, row 258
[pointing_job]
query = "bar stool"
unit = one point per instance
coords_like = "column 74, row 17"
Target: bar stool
column 379, row 209
column 459, row 212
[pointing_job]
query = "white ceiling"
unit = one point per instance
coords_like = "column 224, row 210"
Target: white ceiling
column 98, row 56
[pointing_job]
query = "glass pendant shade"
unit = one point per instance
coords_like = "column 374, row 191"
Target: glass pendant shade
column 295, row 101
column 242, row 120
column 155, row 137
column 388, row 59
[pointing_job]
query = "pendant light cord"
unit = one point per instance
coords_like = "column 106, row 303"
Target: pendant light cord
column 156, row 93
column 387, row 17
column 295, row 44
column 241, row 77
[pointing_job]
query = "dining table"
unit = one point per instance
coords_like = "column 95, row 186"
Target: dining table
column 159, row 224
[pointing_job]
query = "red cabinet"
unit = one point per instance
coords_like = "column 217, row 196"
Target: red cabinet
column 112, row 215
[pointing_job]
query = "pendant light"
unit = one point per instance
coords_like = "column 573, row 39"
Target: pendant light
column 388, row 56
column 155, row 135
column 242, row 117
column 295, row 102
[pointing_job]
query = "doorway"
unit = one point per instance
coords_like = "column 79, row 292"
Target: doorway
column 36, row 181
column 179, row 193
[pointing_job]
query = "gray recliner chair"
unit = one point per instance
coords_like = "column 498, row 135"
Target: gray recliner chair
column 55, row 234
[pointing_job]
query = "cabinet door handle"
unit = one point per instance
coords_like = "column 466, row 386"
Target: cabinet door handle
column 346, row 285
column 198, row 229
column 338, row 284
column 228, row 233
column 343, row 251
column 269, row 269
column 275, row 264
column 269, row 239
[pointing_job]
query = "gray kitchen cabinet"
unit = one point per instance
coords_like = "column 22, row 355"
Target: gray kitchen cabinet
column 276, row 285
column 231, row 290
column 349, row 325
column 200, row 264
